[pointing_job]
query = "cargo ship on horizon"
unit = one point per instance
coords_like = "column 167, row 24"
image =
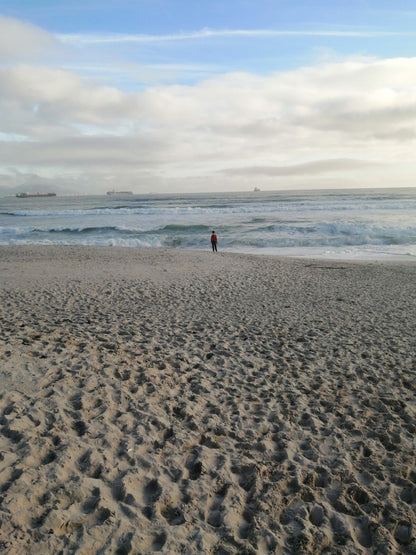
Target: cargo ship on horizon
column 35, row 195
column 119, row 192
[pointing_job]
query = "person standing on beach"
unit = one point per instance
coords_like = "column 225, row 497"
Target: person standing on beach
column 214, row 241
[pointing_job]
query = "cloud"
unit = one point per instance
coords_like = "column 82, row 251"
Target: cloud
column 95, row 154
column 206, row 34
column 42, row 102
column 344, row 117
column 21, row 40
column 317, row 167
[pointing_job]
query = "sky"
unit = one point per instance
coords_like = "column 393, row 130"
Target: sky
column 206, row 95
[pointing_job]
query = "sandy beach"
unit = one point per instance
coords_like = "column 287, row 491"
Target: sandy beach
column 195, row 402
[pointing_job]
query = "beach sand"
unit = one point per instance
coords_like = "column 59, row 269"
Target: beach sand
column 192, row 402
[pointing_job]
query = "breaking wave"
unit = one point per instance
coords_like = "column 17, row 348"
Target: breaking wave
column 282, row 223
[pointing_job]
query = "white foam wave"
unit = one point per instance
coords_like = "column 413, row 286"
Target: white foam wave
column 328, row 225
column 245, row 208
column 151, row 242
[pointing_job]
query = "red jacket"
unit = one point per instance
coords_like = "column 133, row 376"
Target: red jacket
column 213, row 238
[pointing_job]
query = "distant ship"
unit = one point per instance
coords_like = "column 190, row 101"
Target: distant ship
column 35, row 195
column 256, row 190
column 119, row 192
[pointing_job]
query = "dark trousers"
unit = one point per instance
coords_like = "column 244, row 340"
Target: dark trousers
column 214, row 246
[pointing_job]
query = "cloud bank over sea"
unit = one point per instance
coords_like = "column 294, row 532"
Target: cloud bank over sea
column 341, row 122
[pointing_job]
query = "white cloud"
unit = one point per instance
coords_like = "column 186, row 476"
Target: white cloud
column 317, row 167
column 341, row 118
column 42, row 102
column 20, row 40
column 205, row 34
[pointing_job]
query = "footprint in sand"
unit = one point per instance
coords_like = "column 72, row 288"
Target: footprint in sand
column 159, row 541
column 216, row 512
column 194, row 466
column 173, row 515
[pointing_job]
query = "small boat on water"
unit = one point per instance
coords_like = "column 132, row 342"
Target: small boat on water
column 35, row 195
column 256, row 190
column 119, row 193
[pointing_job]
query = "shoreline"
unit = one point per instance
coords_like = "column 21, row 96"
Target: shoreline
column 167, row 400
column 256, row 252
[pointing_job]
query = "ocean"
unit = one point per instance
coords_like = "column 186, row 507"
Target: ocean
column 351, row 224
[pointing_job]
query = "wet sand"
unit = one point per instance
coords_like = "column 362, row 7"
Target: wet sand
column 192, row 402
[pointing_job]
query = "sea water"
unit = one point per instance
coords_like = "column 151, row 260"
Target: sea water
column 359, row 224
